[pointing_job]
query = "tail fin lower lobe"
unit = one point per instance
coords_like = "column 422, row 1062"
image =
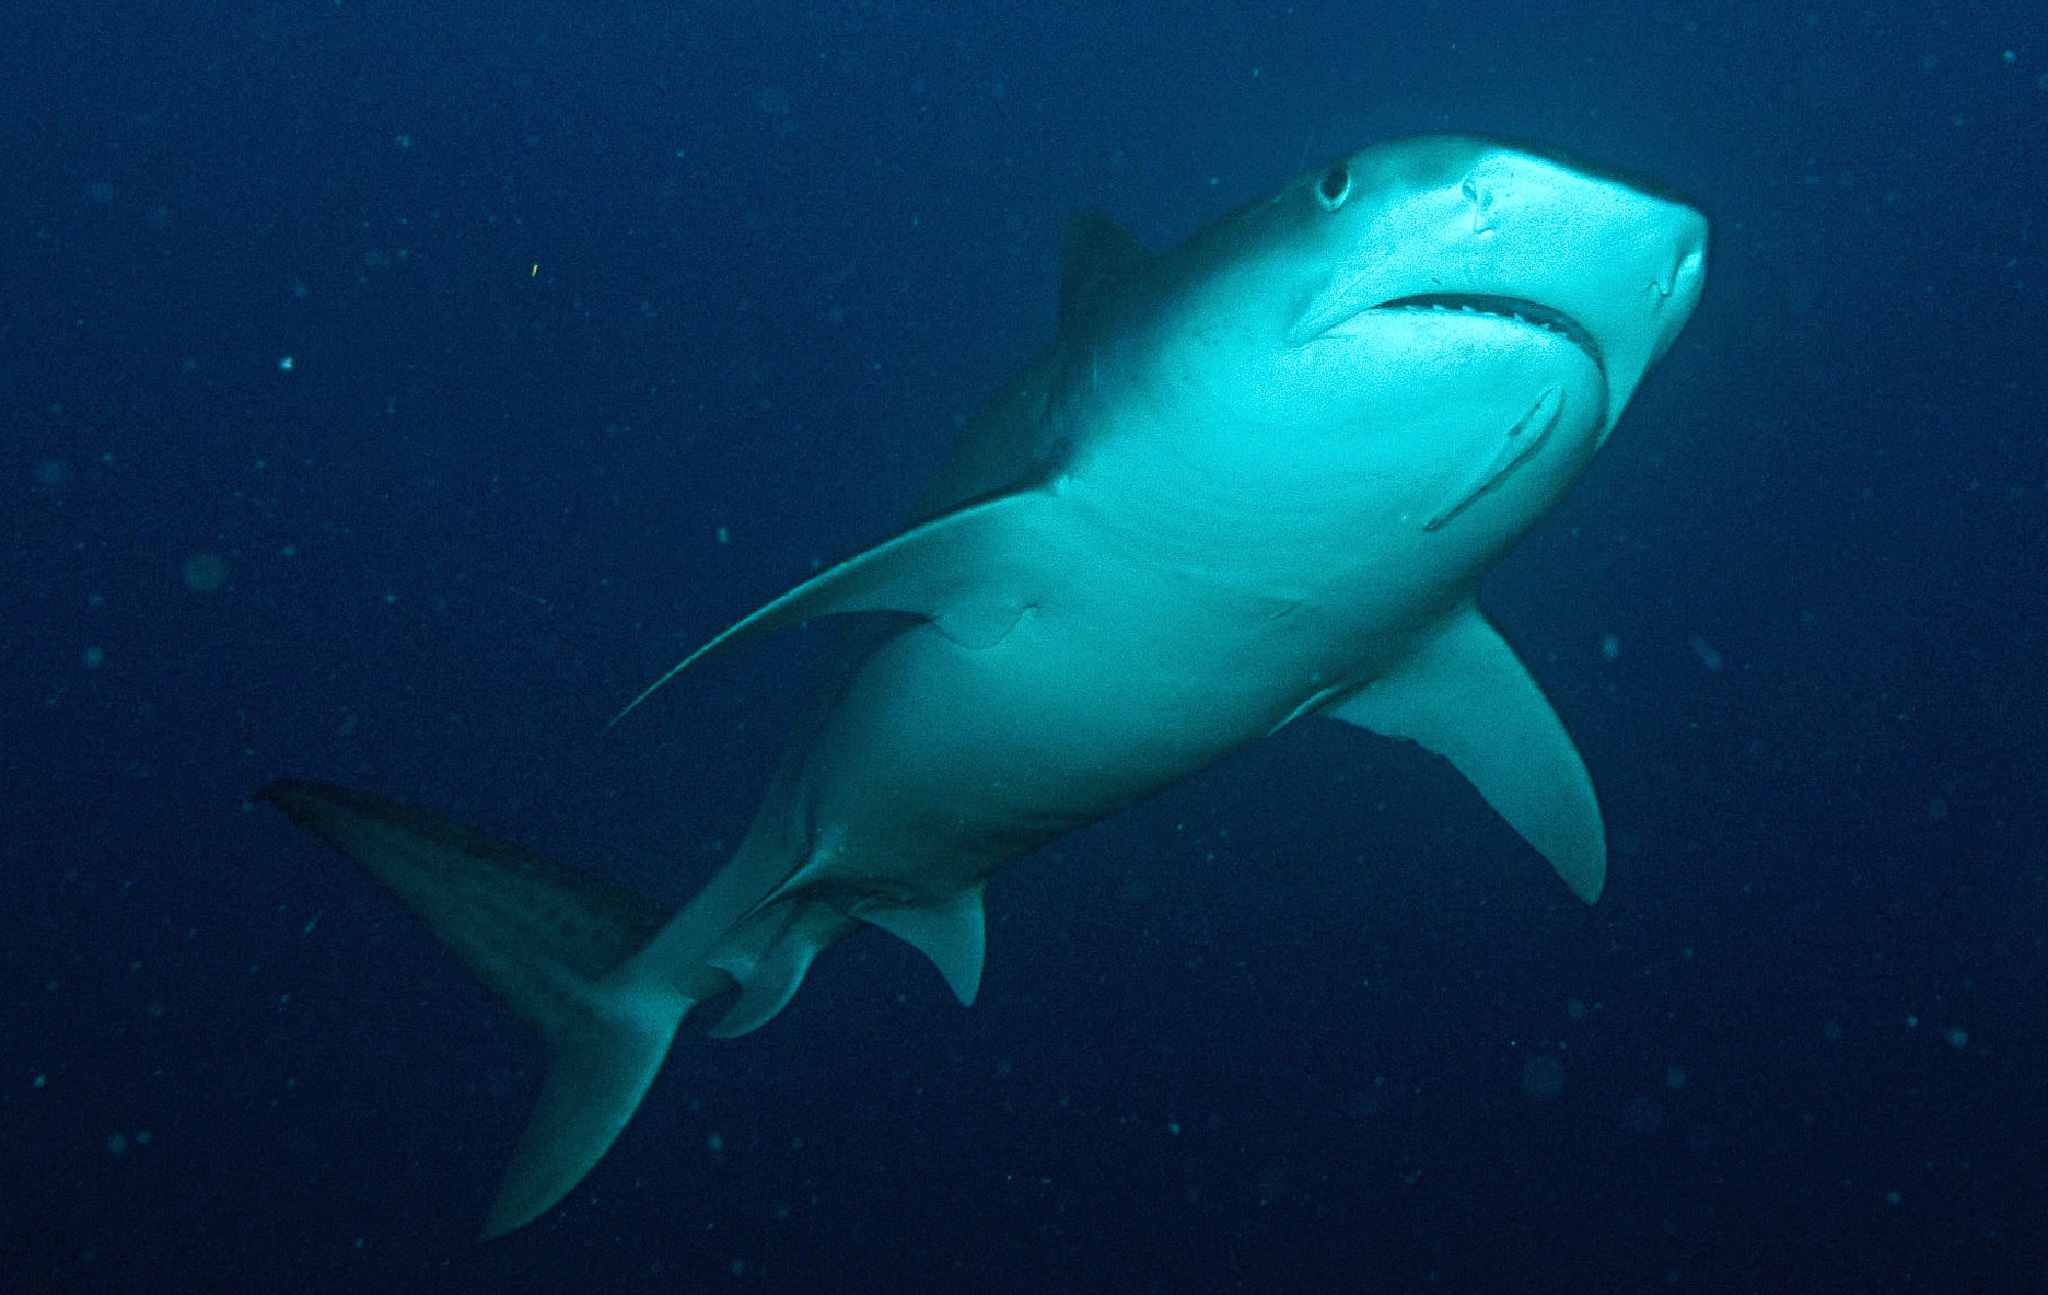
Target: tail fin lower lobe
column 545, row 938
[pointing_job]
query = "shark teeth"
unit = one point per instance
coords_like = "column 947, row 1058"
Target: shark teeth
column 1521, row 311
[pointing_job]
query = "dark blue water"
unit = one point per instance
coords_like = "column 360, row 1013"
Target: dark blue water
column 394, row 387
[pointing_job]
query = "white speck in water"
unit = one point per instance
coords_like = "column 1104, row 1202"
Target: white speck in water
column 1543, row 1078
column 206, row 572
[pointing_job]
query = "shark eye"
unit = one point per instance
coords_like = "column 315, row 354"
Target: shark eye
column 1334, row 187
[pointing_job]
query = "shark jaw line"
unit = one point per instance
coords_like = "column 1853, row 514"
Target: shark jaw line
column 1517, row 310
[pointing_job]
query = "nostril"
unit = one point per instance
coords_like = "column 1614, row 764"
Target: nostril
column 1687, row 269
column 1481, row 199
column 1692, row 264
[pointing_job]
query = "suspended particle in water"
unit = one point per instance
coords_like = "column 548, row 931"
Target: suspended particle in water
column 1643, row 1115
column 1543, row 1078
column 205, row 572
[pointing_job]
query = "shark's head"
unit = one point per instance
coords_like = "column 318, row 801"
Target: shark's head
column 1433, row 328
column 1476, row 226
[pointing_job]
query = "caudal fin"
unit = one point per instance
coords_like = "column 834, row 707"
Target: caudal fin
column 545, row 938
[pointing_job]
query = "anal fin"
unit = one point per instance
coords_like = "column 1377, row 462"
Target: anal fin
column 953, row 933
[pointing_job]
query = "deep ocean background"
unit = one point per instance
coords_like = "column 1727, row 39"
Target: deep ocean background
column 380, row 377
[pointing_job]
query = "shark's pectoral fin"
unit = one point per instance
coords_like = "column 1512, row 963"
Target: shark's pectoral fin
column 953, row 933
column 1464, row 695
column 544, row 937
column 949, row 570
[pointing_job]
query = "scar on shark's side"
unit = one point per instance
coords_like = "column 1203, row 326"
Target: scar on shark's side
column 1254, row 479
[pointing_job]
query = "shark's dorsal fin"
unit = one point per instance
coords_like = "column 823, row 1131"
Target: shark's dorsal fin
column 953, row 933
column 1097, row 257
column 1464, row 695
column 949, row 570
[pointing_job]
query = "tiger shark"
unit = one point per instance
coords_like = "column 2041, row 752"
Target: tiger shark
column 1254, row 479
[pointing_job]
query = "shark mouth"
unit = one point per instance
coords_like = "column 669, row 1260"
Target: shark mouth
column 1517, row 309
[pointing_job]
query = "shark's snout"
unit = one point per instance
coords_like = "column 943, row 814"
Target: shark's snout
column 1626, row 263
column 1484, row 228
column 1688, row 272
column 1678, row 291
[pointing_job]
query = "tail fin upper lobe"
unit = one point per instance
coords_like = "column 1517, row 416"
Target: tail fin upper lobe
column 549, row 940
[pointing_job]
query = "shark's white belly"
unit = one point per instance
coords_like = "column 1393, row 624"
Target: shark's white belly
column 941, row 761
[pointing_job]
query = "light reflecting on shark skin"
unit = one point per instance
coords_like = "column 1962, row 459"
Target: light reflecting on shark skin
column 1252, row 480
